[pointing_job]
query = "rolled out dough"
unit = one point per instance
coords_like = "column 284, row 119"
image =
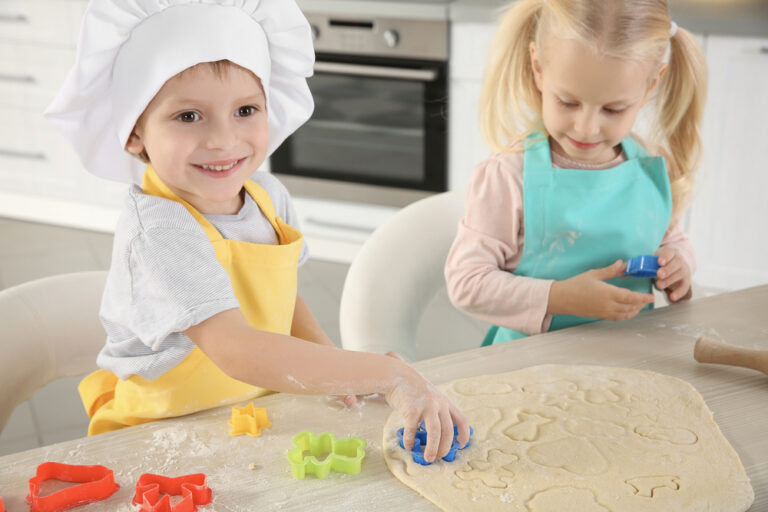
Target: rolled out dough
column 558, row 438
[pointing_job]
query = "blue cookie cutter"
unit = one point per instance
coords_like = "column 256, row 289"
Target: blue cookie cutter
column 642, row 266
column 420, row 441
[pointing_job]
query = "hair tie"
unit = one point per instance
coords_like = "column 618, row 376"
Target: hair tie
column 672, row 29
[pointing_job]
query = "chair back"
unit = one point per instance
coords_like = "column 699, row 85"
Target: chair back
column 397, row 273
column 49, row 329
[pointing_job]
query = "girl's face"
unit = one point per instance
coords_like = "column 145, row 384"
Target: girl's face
column 205, row 134
column 589, row 101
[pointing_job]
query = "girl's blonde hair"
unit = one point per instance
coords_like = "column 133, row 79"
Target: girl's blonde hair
column 510, row 103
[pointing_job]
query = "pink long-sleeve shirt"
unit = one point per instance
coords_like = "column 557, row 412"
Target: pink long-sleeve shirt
column 479, row 271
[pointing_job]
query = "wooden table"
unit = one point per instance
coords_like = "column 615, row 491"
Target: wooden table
column 660, row 340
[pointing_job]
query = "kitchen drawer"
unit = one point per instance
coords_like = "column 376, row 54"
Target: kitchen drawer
column 55, row 22
column 33, row 154
column 30, row 74
column 469, row 50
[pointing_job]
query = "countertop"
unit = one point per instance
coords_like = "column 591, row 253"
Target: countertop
column 661, row 340
column 725, row 17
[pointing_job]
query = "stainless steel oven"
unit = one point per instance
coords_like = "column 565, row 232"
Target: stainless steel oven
column 379, row 130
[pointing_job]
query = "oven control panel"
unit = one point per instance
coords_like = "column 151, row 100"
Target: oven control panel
column 385, row 37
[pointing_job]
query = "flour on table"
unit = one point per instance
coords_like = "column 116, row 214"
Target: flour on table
column 559, row 438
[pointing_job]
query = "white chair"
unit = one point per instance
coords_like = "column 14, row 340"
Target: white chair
column 49, row 329
column 397, row 276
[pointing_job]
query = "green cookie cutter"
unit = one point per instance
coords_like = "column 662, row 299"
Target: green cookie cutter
column 343, row 455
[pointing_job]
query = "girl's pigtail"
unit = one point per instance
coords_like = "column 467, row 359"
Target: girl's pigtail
column 510, row 103
column 681, row 97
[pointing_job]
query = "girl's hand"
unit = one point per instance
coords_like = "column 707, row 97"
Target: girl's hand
column 417, row 400
column 674, row 275
column 589, row 296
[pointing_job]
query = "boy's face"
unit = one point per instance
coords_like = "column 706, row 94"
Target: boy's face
column 589, row 101
column 205, row 134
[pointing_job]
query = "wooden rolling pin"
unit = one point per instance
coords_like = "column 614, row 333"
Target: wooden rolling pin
column 710, row 351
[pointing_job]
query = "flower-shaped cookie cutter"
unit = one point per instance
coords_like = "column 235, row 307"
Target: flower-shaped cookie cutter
column 420, row 442
column 248, row 420
column 343, row 455
column 95, row 483
column 192, row 488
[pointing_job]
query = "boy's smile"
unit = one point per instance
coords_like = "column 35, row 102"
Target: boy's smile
column 221, row 169
column 205, row 132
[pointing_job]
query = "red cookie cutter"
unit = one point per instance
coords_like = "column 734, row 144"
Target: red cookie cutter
column 2, row 508
column 192, row 488
column 96, row 483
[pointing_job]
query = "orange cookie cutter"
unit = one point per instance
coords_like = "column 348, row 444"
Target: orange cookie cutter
column 192, row 488
column 248, row 420
column 96, row 483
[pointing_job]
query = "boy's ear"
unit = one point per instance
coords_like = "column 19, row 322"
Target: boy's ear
column 134, row 144
column 535, row 65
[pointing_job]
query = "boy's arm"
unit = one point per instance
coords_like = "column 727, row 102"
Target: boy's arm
column 305, row 325
column 288, row 364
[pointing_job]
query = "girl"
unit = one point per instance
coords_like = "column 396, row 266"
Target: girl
column 571, row 193
column 200, row 306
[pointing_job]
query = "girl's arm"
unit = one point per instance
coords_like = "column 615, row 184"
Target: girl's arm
column 487, row 249
column 288, row 364
column 588, row 295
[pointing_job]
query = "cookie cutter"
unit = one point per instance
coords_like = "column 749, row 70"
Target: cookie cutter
column 96, row 483
column 2, row 508
column 248, row 420
column 192, row 488
column 343, row 455
column 420, row 442
column 642, row 266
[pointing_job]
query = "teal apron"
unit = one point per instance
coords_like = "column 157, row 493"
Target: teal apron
column 577, row 220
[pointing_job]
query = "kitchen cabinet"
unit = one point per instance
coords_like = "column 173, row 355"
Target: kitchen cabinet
column 41, row 177
column 47, row 22
column 729, row 210
column 469, row 50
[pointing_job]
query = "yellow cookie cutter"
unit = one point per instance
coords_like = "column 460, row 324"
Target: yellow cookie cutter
column 343, row 455
column 248, row 420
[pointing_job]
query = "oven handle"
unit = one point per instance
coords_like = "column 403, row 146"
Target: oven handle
column 337, row 68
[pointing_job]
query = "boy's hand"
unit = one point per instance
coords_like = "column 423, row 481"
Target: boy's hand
column 417, row 400
column 674, row 275
column 589, row 296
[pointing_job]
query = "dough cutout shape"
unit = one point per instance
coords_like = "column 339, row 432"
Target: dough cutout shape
column 560, row 438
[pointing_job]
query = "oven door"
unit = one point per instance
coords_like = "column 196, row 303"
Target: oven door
column 377, row 121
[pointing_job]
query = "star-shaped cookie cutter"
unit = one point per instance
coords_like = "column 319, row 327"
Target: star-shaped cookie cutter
column 420, row 442
column 343, row 455
column 192, row 488
column 248, row 420
column 96, row 483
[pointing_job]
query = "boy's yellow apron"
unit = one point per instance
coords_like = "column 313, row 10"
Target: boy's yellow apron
column 264, row 280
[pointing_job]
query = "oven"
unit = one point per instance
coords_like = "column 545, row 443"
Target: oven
column 378, row 134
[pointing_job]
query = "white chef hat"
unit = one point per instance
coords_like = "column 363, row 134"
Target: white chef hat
column 129, row 48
